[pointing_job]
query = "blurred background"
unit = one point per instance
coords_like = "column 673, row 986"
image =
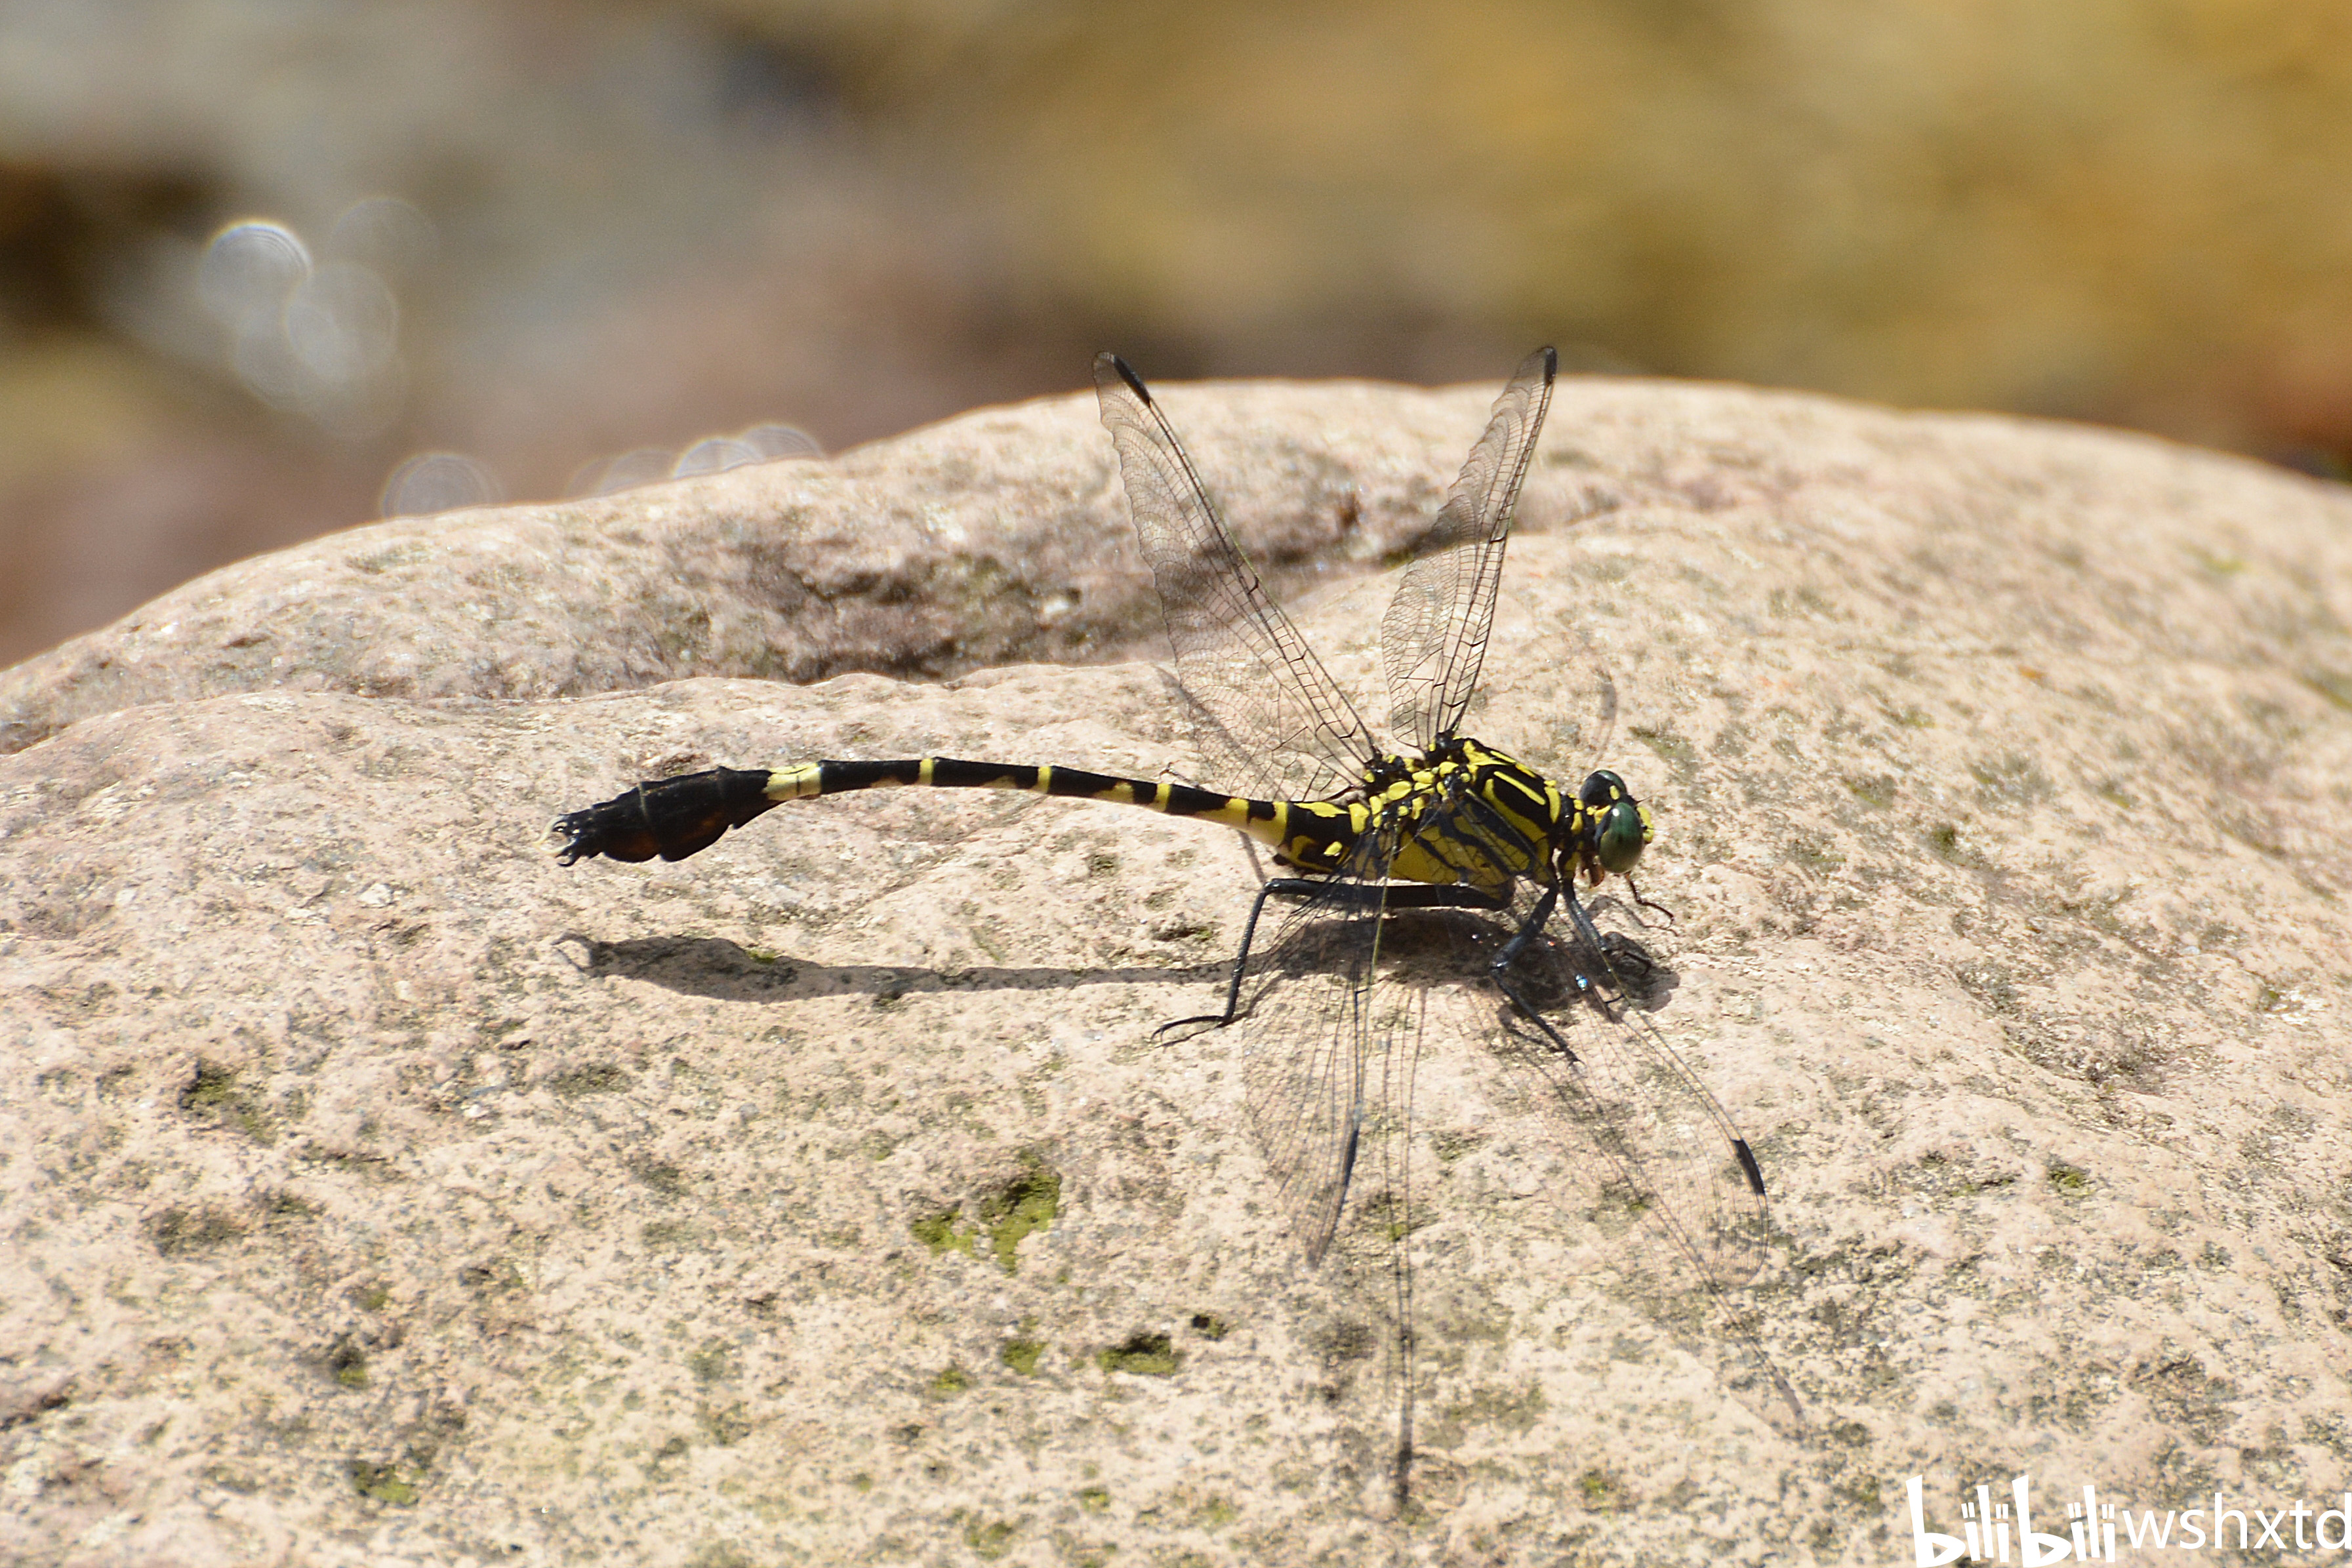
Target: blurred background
column 270, row 267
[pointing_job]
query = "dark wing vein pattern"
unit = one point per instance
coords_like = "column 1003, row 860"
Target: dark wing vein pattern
column 1276, row 716
column 1433, row 638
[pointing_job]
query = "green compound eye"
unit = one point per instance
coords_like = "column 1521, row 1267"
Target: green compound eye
column 1617, row 841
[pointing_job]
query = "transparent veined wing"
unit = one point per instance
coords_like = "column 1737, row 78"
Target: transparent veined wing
column 1629, row 1114
column 1316, row 1024
column 1273, row 721
column 1433, row 637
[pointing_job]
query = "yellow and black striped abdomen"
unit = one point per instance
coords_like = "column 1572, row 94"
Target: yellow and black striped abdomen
column 673, row 818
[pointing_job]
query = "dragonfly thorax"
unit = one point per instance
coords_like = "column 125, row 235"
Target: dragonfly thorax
column 1466, row 814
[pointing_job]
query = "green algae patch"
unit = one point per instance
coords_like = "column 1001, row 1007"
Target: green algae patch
column 1007, row 1214
column 382, row 1483
column 1601, row 1491
column 1145, row 1354
column 942, row 1233
column 214, row 1095
column 347, row 1363
column 601, row 1079
column 212, row 1088
column 989, row 1542
column 1027, row 1203
column 717, row 1361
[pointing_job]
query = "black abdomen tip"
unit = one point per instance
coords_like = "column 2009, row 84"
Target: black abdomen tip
column 671, row 818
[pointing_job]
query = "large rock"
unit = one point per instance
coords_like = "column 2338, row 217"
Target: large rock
column 994, row 539
column 376, row 1190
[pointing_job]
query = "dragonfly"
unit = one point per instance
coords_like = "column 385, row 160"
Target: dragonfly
column 1435, row 864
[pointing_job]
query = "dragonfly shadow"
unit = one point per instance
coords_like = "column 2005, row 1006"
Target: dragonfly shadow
column 727, row 971
column 1557, row 972
column 1641, row 978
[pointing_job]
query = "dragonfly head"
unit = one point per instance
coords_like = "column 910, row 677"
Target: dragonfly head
column 1616, row 826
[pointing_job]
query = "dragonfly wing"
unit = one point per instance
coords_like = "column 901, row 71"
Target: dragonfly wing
column 1624, row 1104
column 1665, row 1142
column 1433, row 638
column 1270, row 712
column 1309, row 1053
column 1335, row 1032
column 1325, row 1036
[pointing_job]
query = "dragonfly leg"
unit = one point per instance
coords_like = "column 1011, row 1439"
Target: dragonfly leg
column 1410, row 897
column 1590, row 935
column 1529, row 928
column 1290, row 887
column 1365, row 894
column 1500, row 970
column 1414, row 895
column 1641, row 902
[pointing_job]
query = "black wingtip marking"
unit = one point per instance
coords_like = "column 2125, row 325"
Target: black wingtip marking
column 1125, row 374
column 1551, row 362
column 1748, row 1164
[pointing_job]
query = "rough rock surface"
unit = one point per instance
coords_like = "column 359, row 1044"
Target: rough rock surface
column 377, row 1191
column 994, row 539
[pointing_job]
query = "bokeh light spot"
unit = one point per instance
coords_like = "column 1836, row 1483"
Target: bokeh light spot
column 776, row 441
column 611, row 476
column 438, row 482
column 714, row 454
column 343, row 323
column 249, row 270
